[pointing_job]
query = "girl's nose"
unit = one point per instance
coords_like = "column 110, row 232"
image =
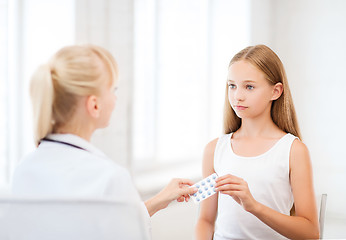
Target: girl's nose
column 239, row 95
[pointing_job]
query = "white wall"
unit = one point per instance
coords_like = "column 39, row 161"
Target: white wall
column 110, row 24
column 36, row 31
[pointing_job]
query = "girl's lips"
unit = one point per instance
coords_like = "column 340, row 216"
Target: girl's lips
column 240, row 108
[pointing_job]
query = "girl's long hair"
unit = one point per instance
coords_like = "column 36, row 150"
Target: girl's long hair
column 55, row 87
column 282, row 110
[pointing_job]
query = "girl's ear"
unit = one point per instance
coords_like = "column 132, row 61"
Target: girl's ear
column 277, row 91
column 93, row 107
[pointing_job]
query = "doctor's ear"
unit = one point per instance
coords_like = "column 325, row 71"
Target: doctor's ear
column 277, row 91
column 93, row 106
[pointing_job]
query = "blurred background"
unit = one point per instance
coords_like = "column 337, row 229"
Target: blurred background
column 173, row 58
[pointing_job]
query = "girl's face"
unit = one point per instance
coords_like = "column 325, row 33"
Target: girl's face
column 249, row 93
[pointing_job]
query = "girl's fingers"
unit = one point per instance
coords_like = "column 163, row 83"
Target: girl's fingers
column 229, row 187
column 224, row 177
column 227, row 180
column 231, row 193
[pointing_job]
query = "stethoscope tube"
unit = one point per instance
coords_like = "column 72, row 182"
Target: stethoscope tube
column 61, row 142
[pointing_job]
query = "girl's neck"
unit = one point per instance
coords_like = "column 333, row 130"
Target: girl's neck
column 259, row 127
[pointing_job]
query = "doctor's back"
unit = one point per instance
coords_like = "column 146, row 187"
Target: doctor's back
column 59, row 170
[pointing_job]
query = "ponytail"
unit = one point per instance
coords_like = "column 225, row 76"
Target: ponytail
column 42, row 94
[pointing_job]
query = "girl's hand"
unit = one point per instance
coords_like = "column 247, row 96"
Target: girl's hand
column 238, row 189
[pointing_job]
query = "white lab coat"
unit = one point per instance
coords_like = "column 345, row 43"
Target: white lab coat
column 59, row 170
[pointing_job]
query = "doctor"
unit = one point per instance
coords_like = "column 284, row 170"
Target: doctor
column 72, row 96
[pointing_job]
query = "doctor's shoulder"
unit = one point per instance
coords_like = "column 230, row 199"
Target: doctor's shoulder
column 25, row 161
column 116, row 178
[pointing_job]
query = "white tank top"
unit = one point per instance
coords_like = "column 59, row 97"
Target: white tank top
column 267, row 176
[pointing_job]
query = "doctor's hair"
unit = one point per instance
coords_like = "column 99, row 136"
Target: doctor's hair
column 73, row 72
column 282, row 110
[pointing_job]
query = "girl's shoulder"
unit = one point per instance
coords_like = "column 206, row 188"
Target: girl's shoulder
column 299, row 154
column 208, row 157
column 210, row 147
column 298, row 147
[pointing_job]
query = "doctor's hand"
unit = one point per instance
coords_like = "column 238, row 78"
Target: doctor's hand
column 178, row 189
column 238, row 189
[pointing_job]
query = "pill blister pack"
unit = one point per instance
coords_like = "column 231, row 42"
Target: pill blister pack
column 206, row 188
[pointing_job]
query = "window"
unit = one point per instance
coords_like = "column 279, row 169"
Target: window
column 182, row 50
column 26, row 40
column 3, row 92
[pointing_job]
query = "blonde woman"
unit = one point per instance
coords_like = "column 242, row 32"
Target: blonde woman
column 72, row 96
column 262, row 165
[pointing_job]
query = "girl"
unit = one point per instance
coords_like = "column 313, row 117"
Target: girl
column 72, row 96
column 263, row 166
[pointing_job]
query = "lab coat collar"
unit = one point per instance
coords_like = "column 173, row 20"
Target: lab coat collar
column 77, row 141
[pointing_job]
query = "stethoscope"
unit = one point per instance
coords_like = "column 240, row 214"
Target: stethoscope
column 61, row 142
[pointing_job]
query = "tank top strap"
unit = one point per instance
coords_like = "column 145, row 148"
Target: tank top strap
column 222, row 147
column 286, row 142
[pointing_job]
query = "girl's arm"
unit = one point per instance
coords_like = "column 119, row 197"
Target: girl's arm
column 304, row 225
column 208, row 208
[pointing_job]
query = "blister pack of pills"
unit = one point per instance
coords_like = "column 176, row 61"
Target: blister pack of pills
column 206, row 188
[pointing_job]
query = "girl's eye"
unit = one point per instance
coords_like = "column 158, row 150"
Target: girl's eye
column 232, row 86
column 249, row 87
